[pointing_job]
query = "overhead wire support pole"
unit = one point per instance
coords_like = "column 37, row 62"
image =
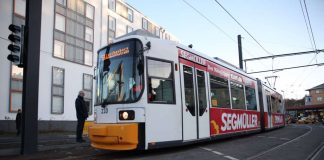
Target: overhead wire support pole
column 240, row 51
column 284, row 55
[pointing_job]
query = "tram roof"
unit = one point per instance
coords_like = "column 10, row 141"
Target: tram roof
column 147, row 35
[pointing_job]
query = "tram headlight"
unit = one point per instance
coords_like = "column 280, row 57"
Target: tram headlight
column 126, row 115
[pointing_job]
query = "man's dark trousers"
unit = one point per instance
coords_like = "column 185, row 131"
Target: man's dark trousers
column 80, row 127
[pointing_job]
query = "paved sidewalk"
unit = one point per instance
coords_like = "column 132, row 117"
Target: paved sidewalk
column 48, row 143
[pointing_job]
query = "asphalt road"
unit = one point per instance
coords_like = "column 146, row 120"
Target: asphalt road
column 292, row 142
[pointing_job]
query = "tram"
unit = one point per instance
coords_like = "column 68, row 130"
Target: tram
column 153, row 93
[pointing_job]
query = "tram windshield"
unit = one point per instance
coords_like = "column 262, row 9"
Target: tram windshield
column 119, row 75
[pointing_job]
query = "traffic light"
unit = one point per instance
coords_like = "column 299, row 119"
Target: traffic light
column 17, row 44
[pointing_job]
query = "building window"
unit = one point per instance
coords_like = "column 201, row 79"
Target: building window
column 78, row 26
column 89, row 34
column 319, row 99
column 150, row 27
column 79, row 31
column 74, row 54
column 59, row 22
column 87, row 88
column 112, row 5
column 250, row 98
column 121, row 9
column 219, row 92
column 87, row 57
column 317, row 91
column 160, row 82
column 61, row 2
column 80, row 6
column 20, row 7
column 72, row 4
column 16, row 88
column 130, row 14
column 111, row 28
column 89, row 11
column 157, row 31
column 237, row 96
column 129, row 29
column 59, row 49
column 144, row 23
column 57, row 90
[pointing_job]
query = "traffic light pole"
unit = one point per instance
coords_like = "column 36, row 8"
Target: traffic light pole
column 31, row 77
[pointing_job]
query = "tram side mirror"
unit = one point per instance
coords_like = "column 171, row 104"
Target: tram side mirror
column 148, row 45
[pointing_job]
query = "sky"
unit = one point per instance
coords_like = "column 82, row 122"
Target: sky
column 278, row 25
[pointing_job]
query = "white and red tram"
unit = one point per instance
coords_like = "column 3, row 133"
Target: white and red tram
column 153, row 93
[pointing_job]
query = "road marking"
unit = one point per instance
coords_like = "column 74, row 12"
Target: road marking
column 286, row 139
column 207, row 149
column 231, row 158
column 218, row 153
column 274, row 148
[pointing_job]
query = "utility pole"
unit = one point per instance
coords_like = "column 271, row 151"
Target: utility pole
column 31, row 77
column 240, row 51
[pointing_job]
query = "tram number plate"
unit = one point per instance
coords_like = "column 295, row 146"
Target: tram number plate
column 104, row 110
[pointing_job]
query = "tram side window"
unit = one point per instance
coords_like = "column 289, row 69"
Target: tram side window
column 275, row 105
column 189, row 90
column 237, row 93
column 250, row 98
column 219, row 92
column 281, row 107
column 269, row 103
column 160, row 82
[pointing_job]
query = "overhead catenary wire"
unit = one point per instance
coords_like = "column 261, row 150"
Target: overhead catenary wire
column 310, row 25
column 217, row 27
column 242, row 27
column 312, row 40
column 308, row 32
column 210, row 21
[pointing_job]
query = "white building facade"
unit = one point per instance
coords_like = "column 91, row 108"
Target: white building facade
column 71, row 33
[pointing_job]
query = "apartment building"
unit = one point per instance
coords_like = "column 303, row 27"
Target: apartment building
column 71, row 33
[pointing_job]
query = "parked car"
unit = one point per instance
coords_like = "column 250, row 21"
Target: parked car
column 306, row 120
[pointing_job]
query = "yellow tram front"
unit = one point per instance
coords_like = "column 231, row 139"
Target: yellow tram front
column 119, row 118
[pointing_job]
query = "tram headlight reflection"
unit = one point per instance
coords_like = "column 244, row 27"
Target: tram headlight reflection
column 126, row 115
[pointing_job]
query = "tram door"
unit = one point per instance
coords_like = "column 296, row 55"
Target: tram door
column 269, row 109
column 195, row 105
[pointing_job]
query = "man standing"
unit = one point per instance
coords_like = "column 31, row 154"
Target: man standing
column 82, row 115
column 18, row 121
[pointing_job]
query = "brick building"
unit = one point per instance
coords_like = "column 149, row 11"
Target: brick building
column 316, row 95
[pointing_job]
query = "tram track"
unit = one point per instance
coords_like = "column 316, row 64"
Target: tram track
column 314, row 155
column 281, row 145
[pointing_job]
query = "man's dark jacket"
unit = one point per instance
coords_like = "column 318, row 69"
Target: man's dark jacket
column 18, row 120
column 81, row 109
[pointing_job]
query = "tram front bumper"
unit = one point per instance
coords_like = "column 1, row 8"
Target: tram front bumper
column 114, row 136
